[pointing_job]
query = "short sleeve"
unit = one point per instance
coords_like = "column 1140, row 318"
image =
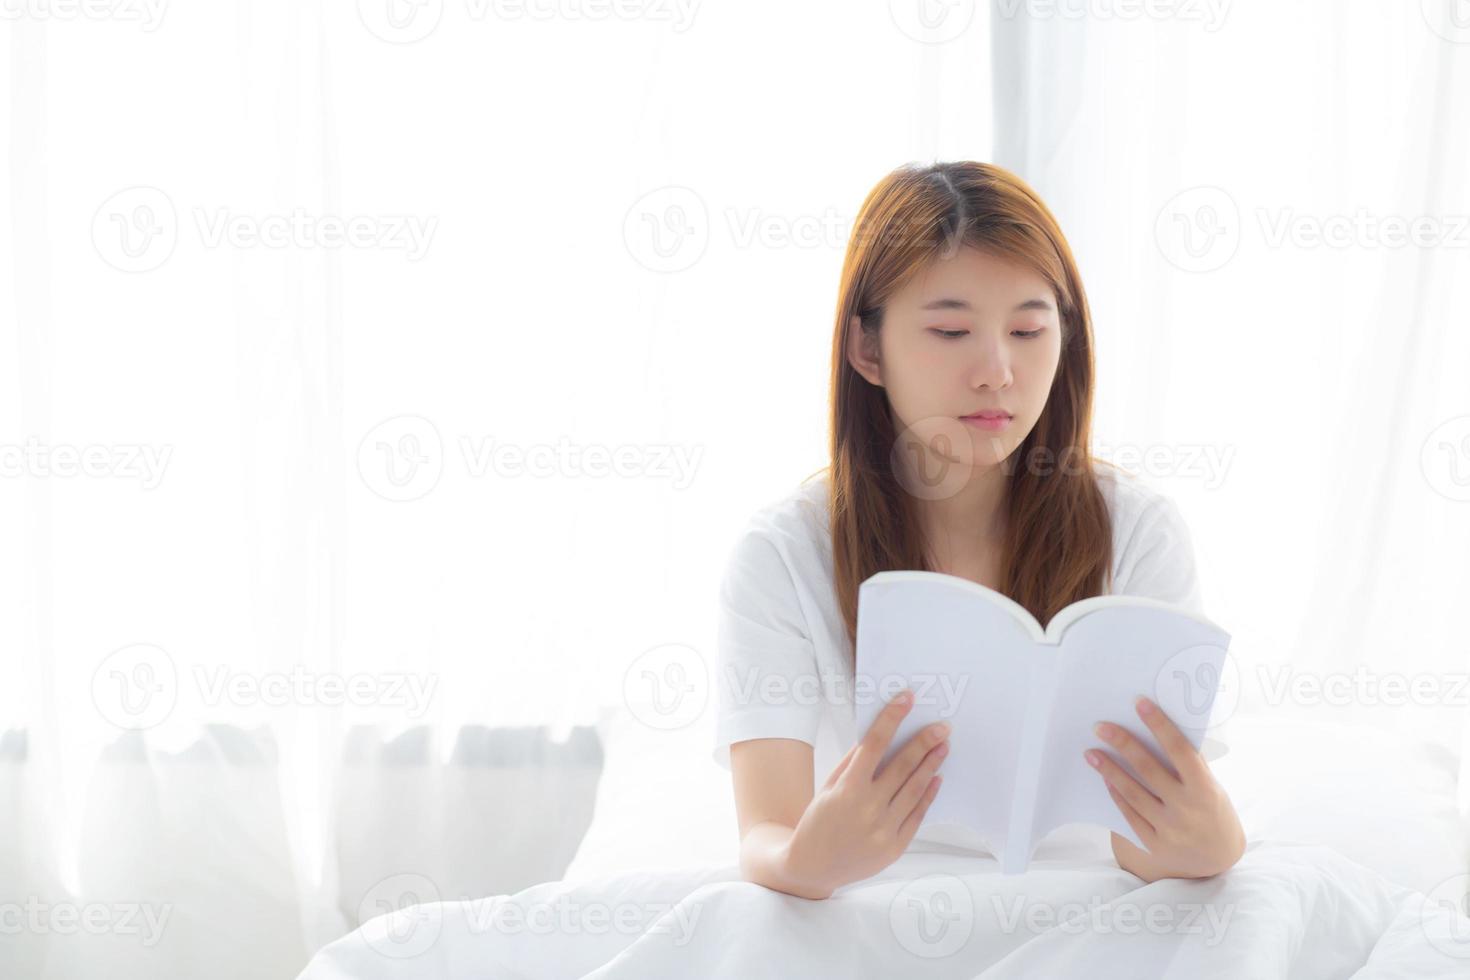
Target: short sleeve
column 1158, row 558
column 766, row 662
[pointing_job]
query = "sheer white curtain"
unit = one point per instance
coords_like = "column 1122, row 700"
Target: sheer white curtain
column 1270, row 204
column 381, row 383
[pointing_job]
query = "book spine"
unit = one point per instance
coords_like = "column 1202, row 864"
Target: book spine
column 1040, row 698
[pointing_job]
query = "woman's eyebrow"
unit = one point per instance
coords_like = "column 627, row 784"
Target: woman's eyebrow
column 959, row 304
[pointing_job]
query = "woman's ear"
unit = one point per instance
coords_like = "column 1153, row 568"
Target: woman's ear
column 862, row 352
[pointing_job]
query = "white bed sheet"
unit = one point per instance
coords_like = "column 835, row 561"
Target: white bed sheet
column 1285, row 911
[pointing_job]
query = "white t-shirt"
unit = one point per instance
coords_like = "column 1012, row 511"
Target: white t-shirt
column 781, row 641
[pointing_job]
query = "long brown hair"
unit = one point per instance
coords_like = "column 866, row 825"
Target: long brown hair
column 1058, row 537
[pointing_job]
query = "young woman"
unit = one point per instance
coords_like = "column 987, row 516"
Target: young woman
column 960, row 426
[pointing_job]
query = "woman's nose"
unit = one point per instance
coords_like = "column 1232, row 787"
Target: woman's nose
column 992, row 369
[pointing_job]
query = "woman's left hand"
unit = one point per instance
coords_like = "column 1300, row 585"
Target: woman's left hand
column 1186, row 821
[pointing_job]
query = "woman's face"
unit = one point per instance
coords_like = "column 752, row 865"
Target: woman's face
column 969, row 333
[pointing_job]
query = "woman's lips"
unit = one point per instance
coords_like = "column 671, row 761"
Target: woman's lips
column 988, row 423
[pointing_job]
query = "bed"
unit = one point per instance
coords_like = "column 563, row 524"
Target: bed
column 1358, row 865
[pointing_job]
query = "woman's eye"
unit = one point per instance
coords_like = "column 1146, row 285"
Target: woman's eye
column 956, row 334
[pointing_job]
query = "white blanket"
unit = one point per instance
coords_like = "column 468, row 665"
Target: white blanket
column 1285, row 910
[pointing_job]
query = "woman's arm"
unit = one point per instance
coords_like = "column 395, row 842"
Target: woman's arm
column 765, row 858
column 1150, row 869
column 773, row 786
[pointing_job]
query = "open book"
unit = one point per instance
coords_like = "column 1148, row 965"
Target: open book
column 1022, row 700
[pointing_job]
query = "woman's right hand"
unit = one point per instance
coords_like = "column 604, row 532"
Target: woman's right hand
column 863, row 818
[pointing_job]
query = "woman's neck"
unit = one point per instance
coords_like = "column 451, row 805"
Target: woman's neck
column 964, row 527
